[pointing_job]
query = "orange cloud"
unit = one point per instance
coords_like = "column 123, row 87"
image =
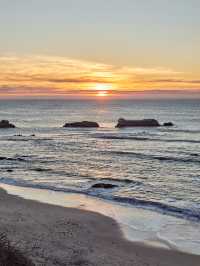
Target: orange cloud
column 50, row 75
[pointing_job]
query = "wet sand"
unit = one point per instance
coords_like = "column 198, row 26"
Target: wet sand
column 53, row 235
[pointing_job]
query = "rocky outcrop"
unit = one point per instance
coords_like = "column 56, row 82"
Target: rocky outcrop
column 137, row 123
column 168, row 124
column 86, row 124
column 6, row 124
column 104, row 185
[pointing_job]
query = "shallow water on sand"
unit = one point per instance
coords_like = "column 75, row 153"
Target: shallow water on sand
column 138, row 225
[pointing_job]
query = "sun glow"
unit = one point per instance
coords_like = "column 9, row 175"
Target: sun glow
column 102, row 93
column 103, row 89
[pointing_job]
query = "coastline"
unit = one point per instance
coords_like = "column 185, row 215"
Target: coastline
column 55, row 235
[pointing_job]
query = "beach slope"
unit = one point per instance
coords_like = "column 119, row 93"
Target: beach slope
column 52, row 235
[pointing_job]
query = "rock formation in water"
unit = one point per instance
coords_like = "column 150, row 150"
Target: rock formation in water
column 168, row 124
column 86, row 124
column 6, row 124
column 137, row 123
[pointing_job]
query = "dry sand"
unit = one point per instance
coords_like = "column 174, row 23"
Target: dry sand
column 53, row 235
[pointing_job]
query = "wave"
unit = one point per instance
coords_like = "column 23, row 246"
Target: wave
column 24, row 139
column 177, row 140
column 88, row 177
column 193, row 158
column 190, row 214
column 126, row 181
column 2, row 158
column 144, row 138
column 29, row 158
column 120, row 181
column 60, row 172
column 121, row 137
column 39, row 169
column 181, row 130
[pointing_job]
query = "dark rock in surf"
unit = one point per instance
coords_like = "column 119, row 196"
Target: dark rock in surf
column 137, row 123
column 3, row 158
column 83, row 124
column 168, row 124
column 194, row 154
column 6, row 124
column 104, row 185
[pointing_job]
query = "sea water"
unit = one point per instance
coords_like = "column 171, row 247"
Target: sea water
column 152, row 168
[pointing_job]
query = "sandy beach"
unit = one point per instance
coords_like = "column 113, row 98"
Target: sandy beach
column 53, row 235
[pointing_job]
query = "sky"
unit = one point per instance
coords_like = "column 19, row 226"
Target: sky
column 99, row 48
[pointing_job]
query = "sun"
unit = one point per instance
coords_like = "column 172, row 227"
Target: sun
column 102, row 93
column 103, row 89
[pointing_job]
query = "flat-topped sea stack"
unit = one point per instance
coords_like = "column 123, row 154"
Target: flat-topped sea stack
column 137, row 123
column 83, row 124
column 6, row 124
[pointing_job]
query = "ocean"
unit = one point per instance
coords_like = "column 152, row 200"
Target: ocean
column 151, row 168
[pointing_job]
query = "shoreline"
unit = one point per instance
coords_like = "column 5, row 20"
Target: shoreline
column 156, row 229
column 54, row 235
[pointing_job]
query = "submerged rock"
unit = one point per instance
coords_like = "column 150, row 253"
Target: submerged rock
column 137, row 123
column 168, row 124
column 6, row 124
column 82, row 124
column 104, row 185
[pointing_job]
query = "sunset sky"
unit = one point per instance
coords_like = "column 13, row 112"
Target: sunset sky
column 98, row 48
